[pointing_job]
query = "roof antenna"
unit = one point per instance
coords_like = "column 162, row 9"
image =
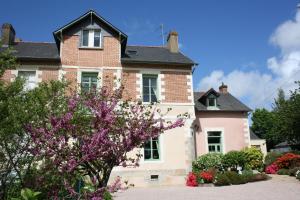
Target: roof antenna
column 162, row 34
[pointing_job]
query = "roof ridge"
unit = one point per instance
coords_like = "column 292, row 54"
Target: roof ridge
column 147, row 46
column 35, row 42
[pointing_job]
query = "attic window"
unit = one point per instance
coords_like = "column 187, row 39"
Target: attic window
column 132, row 52
column 211, row 101
column 91, row 38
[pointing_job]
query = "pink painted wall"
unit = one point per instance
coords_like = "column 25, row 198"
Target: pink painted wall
column 234, row 124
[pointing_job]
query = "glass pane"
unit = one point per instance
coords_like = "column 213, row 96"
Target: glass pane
column 155, row 154
column 154, row 144
column 214, row 140
column 29, row 76
column 218, row 148
column 146, row 98
column 147, row 145
column 96, row 38
column 211, row 102
column 214, row 133
column 145, row 81
column 211, row 148
column 154, row 82
column 147, row 154
column 85, row 38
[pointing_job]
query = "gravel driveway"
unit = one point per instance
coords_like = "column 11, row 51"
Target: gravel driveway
column 278, row 188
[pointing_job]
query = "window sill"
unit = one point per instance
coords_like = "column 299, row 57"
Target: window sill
column 91, row 48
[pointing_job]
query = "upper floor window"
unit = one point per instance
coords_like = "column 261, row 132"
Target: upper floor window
column 91, row 38
column 30, row 79
column 211, row 102
column 150, row 88
column 89, row 81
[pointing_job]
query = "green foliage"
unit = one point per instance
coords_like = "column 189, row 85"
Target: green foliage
column 293, row 172
column 247, row 174
column 233, row 160
column 235, row 178
column 221, row 180
column 283, row 172
column 7, row 60
column 253, row 158
column 271, row 157
column 28, row 194
column 208, row 161
column 107, row 196
column 298, row 176
column 258, row 177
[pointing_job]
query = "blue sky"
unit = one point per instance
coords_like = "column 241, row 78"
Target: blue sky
column 231, row 40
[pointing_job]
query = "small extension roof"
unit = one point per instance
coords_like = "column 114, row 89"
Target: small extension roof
column 225, row 102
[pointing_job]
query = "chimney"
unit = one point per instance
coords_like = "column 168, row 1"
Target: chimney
column 172, row 41
column 7, row 34
column 223, row 88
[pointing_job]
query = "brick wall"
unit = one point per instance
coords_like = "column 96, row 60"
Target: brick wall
column 7, row 76
column 75, row 56
column 49, row 74
column 129, row 80
column 71, row 76
column 176, row 87
column 108, row 78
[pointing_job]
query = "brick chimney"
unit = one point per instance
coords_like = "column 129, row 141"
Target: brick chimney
column 7, row 34
column 223, row 88
column 173, row 42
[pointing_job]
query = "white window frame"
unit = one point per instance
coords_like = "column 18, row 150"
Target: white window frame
column 79, row 76
column 31, row 69
column 91, row 38
column 215, row 129
column 161, row 151
column 150, row 72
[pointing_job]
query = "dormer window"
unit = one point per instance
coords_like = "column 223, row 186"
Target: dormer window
column 91, row 38
column 212, row 102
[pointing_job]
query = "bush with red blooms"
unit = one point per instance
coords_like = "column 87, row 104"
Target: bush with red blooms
column 272, row 169
column 287, row 160
column 207, row 176
column 191, row 180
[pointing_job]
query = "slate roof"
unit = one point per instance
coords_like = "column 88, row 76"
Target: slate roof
column 149, row 54
column 253, row 136
column 225, row 102
column 35, row 51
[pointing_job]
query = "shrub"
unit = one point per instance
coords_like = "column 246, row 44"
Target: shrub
column 283, row 172
column 234, row 159
column 292, row 172
column 235, row 178
column 298, row 176
column 258, row 177
column 221, row 180
column 247, row 174
column 207, row 176
column 253, row 158
column 272, row 157
column 272, row 169
column 191, row 180
column 208, row 161
column 287, row 160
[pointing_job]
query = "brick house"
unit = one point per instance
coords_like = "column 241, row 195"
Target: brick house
column 90, row 51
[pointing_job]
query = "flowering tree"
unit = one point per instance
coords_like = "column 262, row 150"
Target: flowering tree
column 94, row 134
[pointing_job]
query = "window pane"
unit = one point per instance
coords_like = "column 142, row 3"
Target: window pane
column 147, row 154
column 211, row 148
column 211, row 102
column 89, row 81
column 214, row 140
column 214, row 133
column 96, row 38
column 30, row 80
column 155, row 154
column 151, row 149
column 85, row 38
column 150, row 88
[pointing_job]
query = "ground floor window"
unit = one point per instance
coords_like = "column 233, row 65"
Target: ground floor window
column 214, row 139
column 151, row 149
column 30, row 79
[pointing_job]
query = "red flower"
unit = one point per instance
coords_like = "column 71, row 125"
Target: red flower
column 207, row 176
column 286, row 160
column 191, row 180
column 272, row 169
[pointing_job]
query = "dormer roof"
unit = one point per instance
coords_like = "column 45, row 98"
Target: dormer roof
column 93, row 16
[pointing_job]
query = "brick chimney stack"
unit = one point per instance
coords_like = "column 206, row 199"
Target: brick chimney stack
column 172, row 41
column 7, row 35
column 223, row 88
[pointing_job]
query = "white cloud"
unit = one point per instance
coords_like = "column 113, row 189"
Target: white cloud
column 259, row 89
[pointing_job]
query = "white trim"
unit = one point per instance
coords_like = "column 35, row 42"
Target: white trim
column 80, row 71
column 220, row 129
column 15, row 73
column 161, row 151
